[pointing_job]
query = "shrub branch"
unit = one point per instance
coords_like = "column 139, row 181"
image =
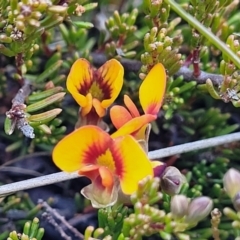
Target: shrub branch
column 188, row 75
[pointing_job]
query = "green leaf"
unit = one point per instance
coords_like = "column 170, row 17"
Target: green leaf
column 45, row 102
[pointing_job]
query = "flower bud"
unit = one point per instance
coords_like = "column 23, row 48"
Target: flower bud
column 171, row 181
column 198, row 209
column 231, row 182
column 179, row 206
column 230, row 213
column 236, row 202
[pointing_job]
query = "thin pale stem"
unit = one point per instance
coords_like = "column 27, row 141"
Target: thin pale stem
column 36, row 182
column 193, row 146
column 157, row 154
column 204, row 31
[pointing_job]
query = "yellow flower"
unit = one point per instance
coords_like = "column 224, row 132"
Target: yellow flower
column 95, row 90
column 128, row 120
column 109, row 163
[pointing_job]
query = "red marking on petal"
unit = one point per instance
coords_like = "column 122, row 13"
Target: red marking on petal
column 118, row 160
column 153, row 108
column 80, row 148
column 95, row 150
column 97, row 86
column 103, row 84
column 86, row 83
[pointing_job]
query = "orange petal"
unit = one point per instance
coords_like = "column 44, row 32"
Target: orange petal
column 132, row 163
column 134, row 125
column 85, row 110
column 106, row 176
column 98, row 107
column 111, row 81
column 79, row 80
column 119, row 116
column 131, row 106
column 80, row 148
column 91, row 171
column 152, row 89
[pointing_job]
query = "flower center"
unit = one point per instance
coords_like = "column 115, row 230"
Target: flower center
column 106, row 160
column 96, row 91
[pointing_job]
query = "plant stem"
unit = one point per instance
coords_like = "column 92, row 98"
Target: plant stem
column 204, row 31
column 188, row 75
column 187, row 147
column 36, row 182
column 157, row 154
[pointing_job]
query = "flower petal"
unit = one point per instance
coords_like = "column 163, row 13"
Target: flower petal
column 100, row 196
column 119, row 116
column 94, row 171
column 131, row 106
column 135, row 164
column 91, row 171
column 152, row 89
column 106, row 176
column 79, row 80
column 135, row 124
column 111, row 80
column 85, row 110
column 98, row 107
column 141, row 133
column 80, row 148
column 142, row 136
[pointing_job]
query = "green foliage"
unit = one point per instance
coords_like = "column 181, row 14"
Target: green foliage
column 31, row 230
column 161, row 43
column 21, row 205
column 178, row 93
column 24, row 22
column 111, row 220
column 46, row 37
column 121, row 28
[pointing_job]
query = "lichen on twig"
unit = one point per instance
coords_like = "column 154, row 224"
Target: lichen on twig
column 17, row 114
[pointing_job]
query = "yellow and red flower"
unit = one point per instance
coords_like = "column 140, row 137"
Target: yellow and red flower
column 109, row 163
column 128, row 120
column 94, row 90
